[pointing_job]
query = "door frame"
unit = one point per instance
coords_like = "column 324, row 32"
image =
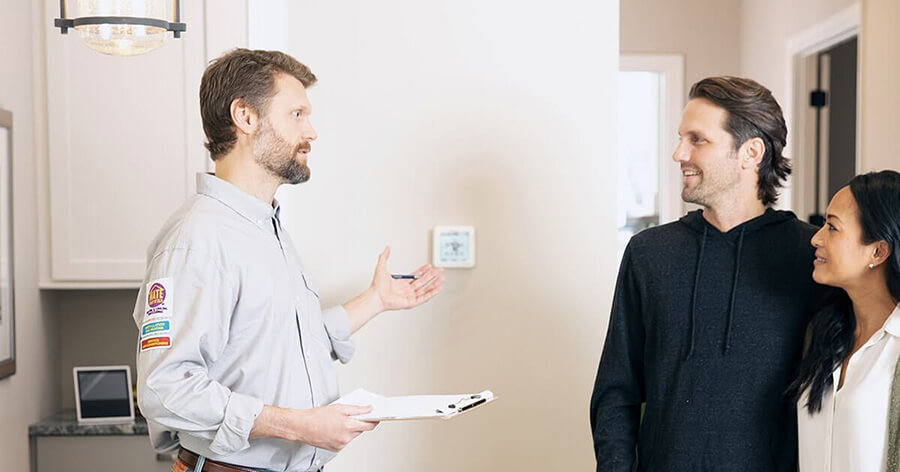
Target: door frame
column 835, row 29
column 672, row 67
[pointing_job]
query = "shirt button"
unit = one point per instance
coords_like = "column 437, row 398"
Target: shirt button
column 318, row 463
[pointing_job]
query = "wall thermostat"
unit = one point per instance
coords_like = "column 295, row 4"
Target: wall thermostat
column 454, row 246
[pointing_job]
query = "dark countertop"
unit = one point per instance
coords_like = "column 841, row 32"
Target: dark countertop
column 65, row 424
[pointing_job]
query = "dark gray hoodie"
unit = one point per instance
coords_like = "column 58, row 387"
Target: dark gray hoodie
column 706, row 329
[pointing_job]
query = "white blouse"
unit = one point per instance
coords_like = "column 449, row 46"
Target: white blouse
column 850, row 433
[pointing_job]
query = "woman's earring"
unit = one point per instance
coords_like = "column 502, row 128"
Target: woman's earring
column 871, row 266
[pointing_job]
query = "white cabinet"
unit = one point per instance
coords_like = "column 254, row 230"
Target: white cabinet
column 124, row 145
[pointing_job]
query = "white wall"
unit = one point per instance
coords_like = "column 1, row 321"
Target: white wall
column 880, row 67
column 706, row 32
column 500, row 115
column 33, row 392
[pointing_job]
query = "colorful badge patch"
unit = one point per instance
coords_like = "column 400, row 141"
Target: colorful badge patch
column 153, row 328
column 157, row 342
column 156, row 295
column 159, row 297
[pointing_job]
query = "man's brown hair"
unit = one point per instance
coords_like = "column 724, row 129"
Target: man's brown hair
column 752, row 113
column 248, row 75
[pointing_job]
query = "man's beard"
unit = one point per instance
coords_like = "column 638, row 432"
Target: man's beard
column 712, row 186
column 278, row 157
column 696, row 194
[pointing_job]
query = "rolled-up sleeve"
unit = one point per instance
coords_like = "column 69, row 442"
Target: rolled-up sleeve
column 183, row 313
column 337, row 325
column 234, row 431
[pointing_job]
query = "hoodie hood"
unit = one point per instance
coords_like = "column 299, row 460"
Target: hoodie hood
column 695, row 221
column 698, row 223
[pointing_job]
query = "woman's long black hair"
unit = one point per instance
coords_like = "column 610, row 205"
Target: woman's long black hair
column 831, row 330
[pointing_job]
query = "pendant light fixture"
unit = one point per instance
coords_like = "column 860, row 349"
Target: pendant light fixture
column 121, row 27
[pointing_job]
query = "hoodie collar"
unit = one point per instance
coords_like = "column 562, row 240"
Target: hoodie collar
column 698, row 223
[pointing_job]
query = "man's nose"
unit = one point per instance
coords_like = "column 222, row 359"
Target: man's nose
column 308, row 132
column 681, row 153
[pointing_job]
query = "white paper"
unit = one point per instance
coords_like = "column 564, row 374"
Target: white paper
column 412, row 407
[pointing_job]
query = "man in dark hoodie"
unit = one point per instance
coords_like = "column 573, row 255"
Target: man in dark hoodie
column 709, row 312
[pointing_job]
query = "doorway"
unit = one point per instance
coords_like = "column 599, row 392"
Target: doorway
column 651, row 87
column 824, row 76
column 834, row 102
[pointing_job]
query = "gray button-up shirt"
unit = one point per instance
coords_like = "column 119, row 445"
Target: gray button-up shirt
column 229, row 321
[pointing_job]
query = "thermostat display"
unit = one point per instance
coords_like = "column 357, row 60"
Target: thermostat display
column 454, row 246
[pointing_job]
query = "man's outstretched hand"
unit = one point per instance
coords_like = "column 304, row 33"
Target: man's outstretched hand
column 402, row 294
column 387, row 293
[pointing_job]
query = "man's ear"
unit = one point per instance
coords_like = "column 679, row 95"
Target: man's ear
column 752, row 153
column 244, row 117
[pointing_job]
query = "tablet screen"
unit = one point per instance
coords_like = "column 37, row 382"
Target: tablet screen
column 103, row 393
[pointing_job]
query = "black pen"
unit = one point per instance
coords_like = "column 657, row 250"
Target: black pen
column 404, row 277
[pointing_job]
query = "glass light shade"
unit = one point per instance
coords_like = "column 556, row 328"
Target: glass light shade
column 123, row 39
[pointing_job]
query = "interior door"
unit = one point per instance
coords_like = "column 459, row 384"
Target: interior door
column 835, row 103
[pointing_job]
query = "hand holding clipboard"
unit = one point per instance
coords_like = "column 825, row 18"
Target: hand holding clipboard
column 414, row 407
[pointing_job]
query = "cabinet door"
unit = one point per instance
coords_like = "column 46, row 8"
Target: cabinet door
column 98, row 453
column 125, row 142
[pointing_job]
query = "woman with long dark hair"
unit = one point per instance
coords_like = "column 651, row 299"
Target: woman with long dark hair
column 846, row 388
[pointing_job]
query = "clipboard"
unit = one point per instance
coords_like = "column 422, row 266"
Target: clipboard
column 415, row 407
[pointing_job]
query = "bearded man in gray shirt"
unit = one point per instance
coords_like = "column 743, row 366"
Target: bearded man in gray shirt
column 236, row 357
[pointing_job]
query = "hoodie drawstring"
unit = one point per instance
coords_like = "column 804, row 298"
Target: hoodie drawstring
column 690, row 350
column 734, row 285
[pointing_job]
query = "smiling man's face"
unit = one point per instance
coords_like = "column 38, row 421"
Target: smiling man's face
column 706, row 153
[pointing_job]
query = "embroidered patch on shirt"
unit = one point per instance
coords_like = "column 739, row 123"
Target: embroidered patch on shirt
column 160, row 297
column 155, row 328
column 157, row 342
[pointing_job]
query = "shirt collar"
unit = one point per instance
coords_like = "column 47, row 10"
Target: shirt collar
column 892, row 325
column 246, row 205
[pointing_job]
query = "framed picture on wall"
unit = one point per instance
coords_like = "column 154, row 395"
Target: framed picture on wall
column 7, row 310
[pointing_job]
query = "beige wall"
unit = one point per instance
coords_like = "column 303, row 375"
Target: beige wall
column 706, row 32
column 880, row 69
column 495, row 114
column 766, row 26
column 33, row 392
column 97, row 329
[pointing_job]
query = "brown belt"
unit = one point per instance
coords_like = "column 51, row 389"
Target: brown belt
column 190, row 459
